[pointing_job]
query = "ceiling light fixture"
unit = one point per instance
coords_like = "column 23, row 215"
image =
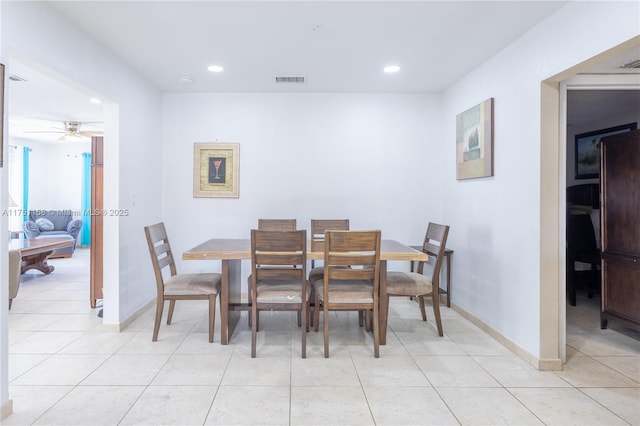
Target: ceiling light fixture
column 215, row 68
column 186, row 79
column 391, row 68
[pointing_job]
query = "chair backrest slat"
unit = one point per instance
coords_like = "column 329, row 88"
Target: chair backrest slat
column 351, row 274
column 160, row 250
column 276, row 224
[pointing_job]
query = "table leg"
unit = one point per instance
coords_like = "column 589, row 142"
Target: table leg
column 449, row 255
column 37, row 261
column 383, row 303
column 230, row 296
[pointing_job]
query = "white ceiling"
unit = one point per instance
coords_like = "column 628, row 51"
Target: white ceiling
column 336, row 46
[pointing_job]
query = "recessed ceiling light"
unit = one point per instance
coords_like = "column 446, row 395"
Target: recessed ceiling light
column 95, row 101
column 215, row 68
column 186, row 79
column 391, row 68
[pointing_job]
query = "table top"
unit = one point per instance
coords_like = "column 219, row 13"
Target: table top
column 240, row 248
column 38, row 245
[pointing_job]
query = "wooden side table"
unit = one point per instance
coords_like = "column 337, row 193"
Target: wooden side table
column 448, row 254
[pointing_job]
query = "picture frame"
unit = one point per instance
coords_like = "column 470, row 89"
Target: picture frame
column 587, row 149
column 474, row 141
column 216, row 170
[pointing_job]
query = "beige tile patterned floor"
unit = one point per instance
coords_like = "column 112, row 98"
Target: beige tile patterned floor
column 63, row 369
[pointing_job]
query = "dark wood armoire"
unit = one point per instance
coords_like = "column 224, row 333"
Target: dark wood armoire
column 620, row 226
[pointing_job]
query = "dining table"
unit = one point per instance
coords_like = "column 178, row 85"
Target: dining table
column 232, row 251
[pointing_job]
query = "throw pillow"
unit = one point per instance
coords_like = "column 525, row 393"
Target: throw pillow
column 44, row 224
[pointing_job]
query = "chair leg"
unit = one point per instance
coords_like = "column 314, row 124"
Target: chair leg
column 422, row 310
column 367, row 320
column 172, row 305
column 304, row 314
column 212, row 316
column 376, row 332
column 156, row 325
column 254, row 329
column 299, row 319
column 316, row 314
column 325, row 317
column 312, row 298
column 436, row 310
column 250, row 314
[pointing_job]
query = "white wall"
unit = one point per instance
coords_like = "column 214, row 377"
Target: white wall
column 55, row 174
column 496, row 221
column 37, row 36
column 372, row 158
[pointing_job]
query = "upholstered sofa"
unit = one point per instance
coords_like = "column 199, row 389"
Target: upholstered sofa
column 53, row 224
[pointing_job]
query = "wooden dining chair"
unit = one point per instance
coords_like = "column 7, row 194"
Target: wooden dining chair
column 199, row 286
column 353, row 288
column 279, row 277
column 426, row 281
column 270, row 225
column 318, row 228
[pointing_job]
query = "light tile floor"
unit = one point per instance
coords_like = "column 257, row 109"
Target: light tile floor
column 63, row 369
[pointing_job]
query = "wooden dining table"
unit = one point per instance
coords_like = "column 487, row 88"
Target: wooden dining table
column 231, row 252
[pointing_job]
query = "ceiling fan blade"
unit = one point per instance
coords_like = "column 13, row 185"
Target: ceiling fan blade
column 45, row 131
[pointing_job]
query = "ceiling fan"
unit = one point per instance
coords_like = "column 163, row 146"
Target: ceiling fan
column 71, row 131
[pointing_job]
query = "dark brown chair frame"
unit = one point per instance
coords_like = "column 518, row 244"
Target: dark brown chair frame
column 278, row 258
column 360, row 250
column 399, row 282
column 161, row 257
column 270, row 225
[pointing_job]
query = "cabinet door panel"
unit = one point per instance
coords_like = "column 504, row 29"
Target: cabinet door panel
column 621, row 288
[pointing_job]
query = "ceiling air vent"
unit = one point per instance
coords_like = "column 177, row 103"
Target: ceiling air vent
column 289, row 79
column 632, row 64
column 14, row 77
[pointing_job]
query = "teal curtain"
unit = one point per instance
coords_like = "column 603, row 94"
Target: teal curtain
column 85, row 234
column 25, row 183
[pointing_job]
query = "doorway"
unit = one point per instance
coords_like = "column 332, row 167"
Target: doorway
column 553, row 337
column 595, row 106
column 52, row 120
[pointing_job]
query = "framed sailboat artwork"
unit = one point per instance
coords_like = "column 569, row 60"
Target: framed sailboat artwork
column 474, row 141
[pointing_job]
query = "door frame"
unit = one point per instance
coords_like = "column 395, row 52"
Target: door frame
column 552, row 300
column 580, row 82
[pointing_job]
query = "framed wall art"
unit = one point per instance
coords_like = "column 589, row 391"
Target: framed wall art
column 216, row 169
column 588, row 150
column 474, row 141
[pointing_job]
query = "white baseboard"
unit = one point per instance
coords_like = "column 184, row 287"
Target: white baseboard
column 6, row 409
column 117, row 328
column 539, row 364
